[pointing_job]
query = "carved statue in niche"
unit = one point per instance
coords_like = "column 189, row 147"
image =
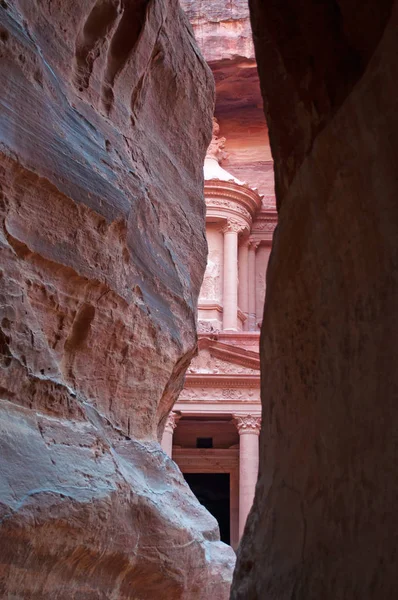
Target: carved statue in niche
column 211, row 283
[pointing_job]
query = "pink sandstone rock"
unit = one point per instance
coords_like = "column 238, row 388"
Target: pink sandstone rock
column 324, row 521
column 223, row 32
column 106, row 112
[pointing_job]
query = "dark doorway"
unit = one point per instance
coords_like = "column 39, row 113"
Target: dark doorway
column 212, row 490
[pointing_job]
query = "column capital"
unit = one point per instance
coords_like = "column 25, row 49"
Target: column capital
column 253, row 244
column 247, row 424
column 172, row 420
column 233, row 226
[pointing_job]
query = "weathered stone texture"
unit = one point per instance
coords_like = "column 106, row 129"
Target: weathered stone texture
column 223, row 32
column 222, row 29
column 324, row 521
column 105, row 118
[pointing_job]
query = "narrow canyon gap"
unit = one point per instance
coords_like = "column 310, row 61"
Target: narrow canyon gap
column 324, row 521
column 106, row 114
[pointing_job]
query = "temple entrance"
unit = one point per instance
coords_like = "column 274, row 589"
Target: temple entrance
column 213, row 491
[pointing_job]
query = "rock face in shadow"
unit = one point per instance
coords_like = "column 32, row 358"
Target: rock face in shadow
column 324, row 521
column 106, row 113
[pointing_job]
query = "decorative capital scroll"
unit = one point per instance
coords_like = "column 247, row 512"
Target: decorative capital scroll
column 217, row 144
column 247, row 424
column 172, row 421
column 233, row 226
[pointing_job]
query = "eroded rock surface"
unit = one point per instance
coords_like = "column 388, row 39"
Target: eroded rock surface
column 324, row 521
column 106, row 114
column 223, row 32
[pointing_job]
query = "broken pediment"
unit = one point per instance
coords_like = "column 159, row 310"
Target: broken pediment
column 219, row 358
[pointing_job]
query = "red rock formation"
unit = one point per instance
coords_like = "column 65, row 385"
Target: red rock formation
column 105, row 117
column 324, row 521
column 223, row 32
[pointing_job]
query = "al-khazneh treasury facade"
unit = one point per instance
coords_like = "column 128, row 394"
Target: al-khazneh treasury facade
column 214, row 426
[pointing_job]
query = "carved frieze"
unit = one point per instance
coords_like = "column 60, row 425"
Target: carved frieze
column 220, row 394
column 264, row 226
column 233, row 206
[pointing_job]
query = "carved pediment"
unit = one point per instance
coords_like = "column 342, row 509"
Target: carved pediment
column 218, row 358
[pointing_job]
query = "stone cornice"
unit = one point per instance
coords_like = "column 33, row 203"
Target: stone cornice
column 232, row 339
column 209, row 305
column 204, row 305
column 238, row 335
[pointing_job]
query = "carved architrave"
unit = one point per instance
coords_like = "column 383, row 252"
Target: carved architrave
column 247, row 424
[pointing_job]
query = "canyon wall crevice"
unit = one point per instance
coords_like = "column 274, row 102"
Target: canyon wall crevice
column 103, row 254
column 324, row 520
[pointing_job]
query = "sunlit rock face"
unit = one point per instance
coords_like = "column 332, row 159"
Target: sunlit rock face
column 106, row 112
column 324, row 518
column 223, row 32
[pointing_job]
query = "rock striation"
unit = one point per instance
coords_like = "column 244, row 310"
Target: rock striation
column 324, row 521
column 106, row 114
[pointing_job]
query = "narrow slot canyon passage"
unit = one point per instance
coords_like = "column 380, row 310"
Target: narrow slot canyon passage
column 198, row 300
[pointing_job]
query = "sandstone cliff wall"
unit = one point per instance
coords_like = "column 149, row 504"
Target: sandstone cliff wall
column 105, row 117
column 223, row 32
column 324, row 521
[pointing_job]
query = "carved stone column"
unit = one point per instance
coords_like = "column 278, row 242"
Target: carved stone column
column 249, row 429
column 230, row 296
column 252, row 284
column 167, row 439
column 243, row 282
